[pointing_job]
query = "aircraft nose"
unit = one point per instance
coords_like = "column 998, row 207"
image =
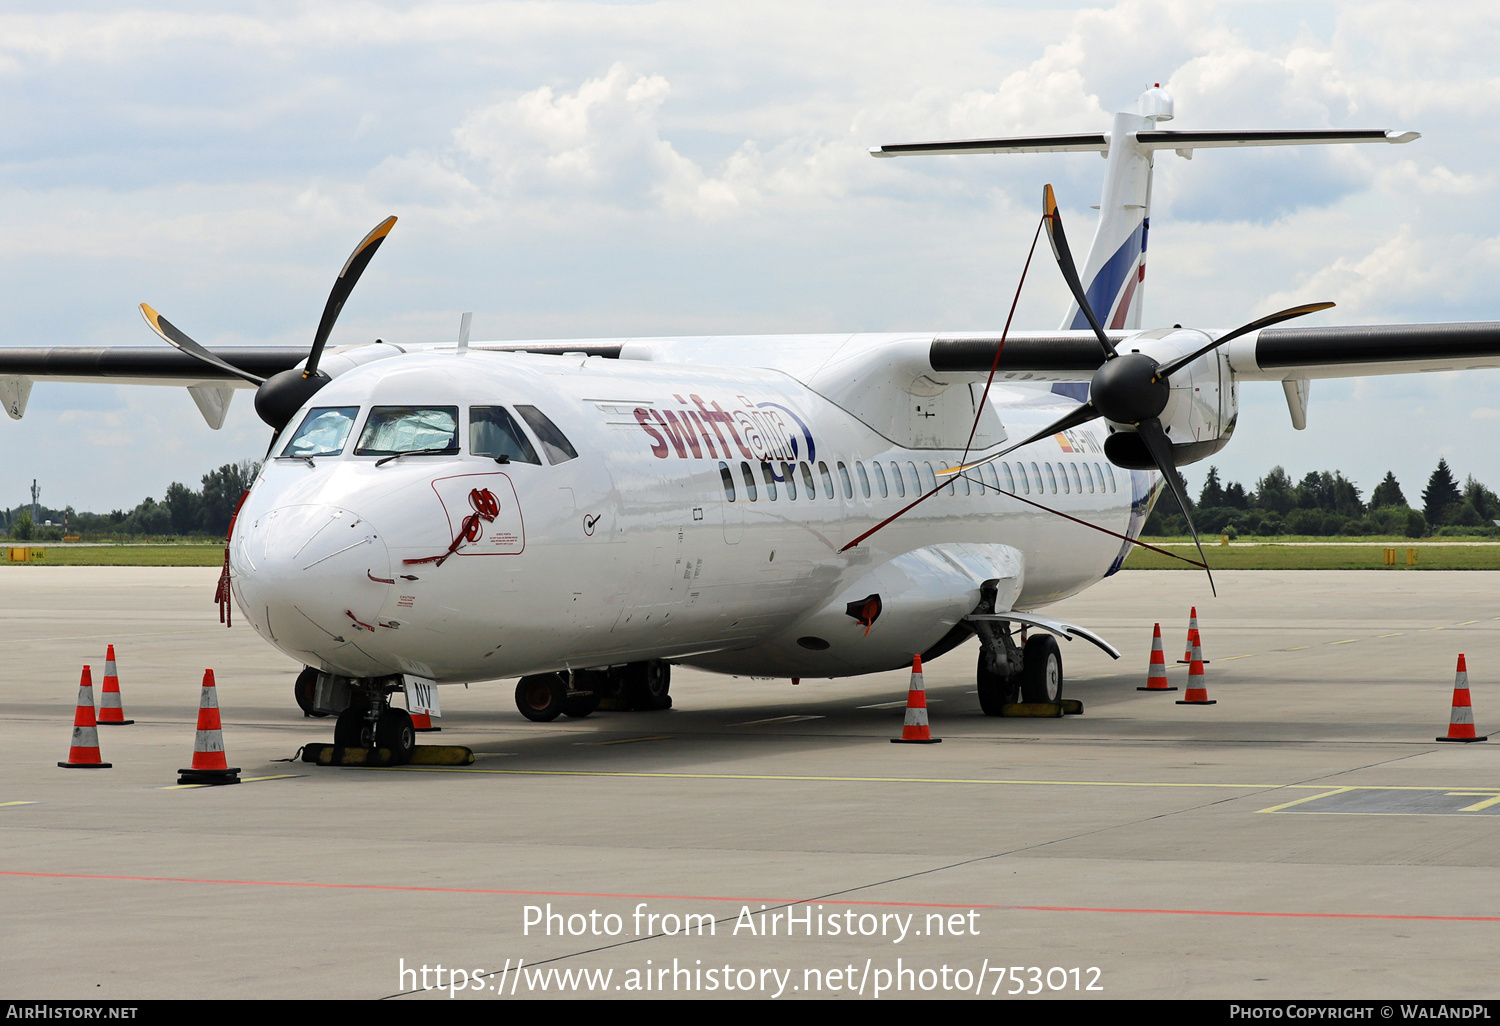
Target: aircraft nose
column 313, row 578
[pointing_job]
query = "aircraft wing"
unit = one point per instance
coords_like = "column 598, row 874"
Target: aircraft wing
column 1289, row 354
column 143, row 365
column 1271, row 354
column 210, row 387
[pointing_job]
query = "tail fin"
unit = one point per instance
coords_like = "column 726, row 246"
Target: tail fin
column 1114, row 273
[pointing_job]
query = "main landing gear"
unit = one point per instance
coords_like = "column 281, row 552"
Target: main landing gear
column 1009, row 673
column 633, row 686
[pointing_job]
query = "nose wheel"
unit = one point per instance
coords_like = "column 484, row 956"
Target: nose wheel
column 387, row 728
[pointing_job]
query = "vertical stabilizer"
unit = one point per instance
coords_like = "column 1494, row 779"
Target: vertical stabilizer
column 1114, row 274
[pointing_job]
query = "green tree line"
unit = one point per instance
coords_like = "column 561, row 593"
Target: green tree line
column 1326, row 503
column 182, row 512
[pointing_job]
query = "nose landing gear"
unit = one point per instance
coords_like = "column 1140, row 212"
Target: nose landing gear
column 370, row 722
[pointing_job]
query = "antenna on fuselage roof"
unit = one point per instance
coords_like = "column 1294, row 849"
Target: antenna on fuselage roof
column 1115, row 270
column 463, row 332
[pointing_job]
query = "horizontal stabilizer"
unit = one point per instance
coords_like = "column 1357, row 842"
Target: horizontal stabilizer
column 1094, row 141
column 1313, row 137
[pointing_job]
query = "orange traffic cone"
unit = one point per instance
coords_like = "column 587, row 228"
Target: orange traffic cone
column 85, row 751
column 422, row 723
column 1196, row 693
column 1193, row 638
column 110, row 710
column 209, row 765
column 915, row 730
column 1156, row 674
column 1461, row 720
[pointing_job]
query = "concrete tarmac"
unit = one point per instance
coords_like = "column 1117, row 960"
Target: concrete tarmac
column 1306, row 837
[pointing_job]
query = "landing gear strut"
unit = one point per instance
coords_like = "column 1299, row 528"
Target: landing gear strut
column 1009, row 673
column 370, row 722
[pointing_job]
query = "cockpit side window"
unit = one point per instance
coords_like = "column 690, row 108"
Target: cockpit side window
column 554, row 443
column 494, row 432
column 324, row 431
column 396, row 429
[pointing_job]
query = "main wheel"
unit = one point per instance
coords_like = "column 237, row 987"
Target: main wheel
column 395, row 731
column 542, row 697
column 305, row 690
column 995, row 690
column 353, row 728
column 648, row 685
column 1042, row 672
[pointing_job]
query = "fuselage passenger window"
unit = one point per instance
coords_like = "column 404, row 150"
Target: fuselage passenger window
column 494, row 432
column 789, row 478
column 846, row 482
column 749, row 477
column 896, row 479
column 808, row 488
column 1073, row 473
column 864, row 478
column 728, row 479
column 769, row 477
column 554, row 443
column 827, row 479
column 880, row 479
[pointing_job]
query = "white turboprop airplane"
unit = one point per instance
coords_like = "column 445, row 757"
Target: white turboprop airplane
column 584, row 514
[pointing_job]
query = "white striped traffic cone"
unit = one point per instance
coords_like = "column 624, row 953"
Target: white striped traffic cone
column 1156, row 674
column 915, row 731
column 1461, row 720
column 1197, row 693
column 209, row 765
column 84, row 754
column 1193, row 638
column 111, row 712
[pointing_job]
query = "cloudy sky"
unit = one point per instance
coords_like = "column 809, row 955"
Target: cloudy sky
column 570, row 170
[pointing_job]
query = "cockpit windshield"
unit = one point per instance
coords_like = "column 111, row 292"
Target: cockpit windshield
column 494, row 432
column 398, row 429
column 323, row 432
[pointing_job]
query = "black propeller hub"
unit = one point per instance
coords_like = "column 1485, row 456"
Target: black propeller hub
column 284, row 394
column 1127, row 390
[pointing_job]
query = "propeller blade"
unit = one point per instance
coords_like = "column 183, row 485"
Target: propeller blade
column 1264, row 322
column 342, row 286
column 1065, row 264
column 173, row 336
column 1160, row 448
column 1071, row 419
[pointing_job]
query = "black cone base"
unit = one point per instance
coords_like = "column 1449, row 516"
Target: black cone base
column 223, row 776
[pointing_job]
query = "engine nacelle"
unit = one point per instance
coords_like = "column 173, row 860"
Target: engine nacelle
column 1200, row 414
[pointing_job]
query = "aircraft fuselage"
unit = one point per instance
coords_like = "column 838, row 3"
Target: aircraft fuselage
column 701, row 521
